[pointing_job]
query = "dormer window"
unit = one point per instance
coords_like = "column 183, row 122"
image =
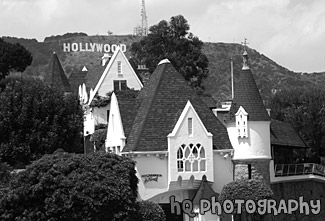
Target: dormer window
column 119, row 67
column 241, row 123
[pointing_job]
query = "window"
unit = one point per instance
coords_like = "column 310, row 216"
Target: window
column 241, row 122
column 107, row 112
column 119, row 67
column 191, row 158
column 119, row 85
column 190, row 126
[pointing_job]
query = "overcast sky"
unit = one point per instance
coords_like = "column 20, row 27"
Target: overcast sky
column 290, row 32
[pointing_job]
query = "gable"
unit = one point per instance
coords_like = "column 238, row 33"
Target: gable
column 118, row 69
column 189, row 124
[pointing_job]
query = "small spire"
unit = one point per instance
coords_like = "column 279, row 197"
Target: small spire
column 245, row 55
column 54, row 52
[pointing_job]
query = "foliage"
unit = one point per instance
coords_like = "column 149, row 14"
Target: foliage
column 173, row 41
column 99, row 137
column 304, row 109
column 35, row 120
column 100, row 101
column 5, row 176
column 65, row 186
column 147, row 211
column 246, row 190
column 13, row 57
column 66, row 35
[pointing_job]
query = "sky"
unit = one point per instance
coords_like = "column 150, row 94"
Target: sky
column 290, row 32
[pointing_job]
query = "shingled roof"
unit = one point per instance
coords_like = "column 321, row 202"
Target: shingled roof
column 55, row 75
column 247, row 95
column 162, row 101
column 283, row 134
column 77, row 78
column 205, row 191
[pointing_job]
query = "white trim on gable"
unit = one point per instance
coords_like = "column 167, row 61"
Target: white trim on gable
column 108, row 67
column 115, row 136
column 188, row 106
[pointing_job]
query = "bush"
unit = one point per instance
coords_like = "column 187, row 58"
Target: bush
column 147, row 211
column 65, row 186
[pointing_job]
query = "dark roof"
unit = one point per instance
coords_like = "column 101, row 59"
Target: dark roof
column 209, row 101
column 55, row 75
column 93, row 75
column 162, row 101
column 247, row 95
column 205, row 191
column 77, row 78
column 128, row 109
column 283, row 134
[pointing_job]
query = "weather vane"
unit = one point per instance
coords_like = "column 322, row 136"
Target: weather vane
column 245, row 43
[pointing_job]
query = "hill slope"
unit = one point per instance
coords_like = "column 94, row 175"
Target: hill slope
column 269, row 76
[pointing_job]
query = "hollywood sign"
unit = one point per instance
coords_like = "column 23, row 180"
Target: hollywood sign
column 92, row 47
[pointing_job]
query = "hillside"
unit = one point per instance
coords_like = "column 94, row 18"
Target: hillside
column 268, row 74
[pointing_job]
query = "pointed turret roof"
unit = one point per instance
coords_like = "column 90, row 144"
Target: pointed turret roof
column 162, row 101
column 247, row 95
column 55, row 75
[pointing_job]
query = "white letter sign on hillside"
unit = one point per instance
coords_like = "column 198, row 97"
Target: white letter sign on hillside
column 92, row 47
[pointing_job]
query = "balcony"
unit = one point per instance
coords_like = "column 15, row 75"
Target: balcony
column 290, row 172
column 299, row 169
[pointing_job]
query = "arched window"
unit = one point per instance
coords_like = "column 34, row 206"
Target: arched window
column 191, row 158
column 241, row 122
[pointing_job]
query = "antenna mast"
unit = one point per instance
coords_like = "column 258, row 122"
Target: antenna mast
column 143, row 29
column 144, row 22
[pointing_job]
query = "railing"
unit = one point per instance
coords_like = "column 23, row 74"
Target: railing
column 299, row 169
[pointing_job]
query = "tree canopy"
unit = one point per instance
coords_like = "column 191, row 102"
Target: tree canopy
column 13, row 57
column 65, row 186
column 36, row 119
column 172, row 40
column 304, row 109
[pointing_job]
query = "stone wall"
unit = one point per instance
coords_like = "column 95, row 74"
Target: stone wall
column 259, row 170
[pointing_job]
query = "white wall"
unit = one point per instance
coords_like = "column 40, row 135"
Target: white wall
column 256, row 146
column 100, row 114
column 223, row 171
column 153, row 164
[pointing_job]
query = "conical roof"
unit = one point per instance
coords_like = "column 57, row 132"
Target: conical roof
column 55, row 75
column 246, row 94
column 162, row 101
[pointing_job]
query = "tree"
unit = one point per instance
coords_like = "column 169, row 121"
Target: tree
column 65, row 186
column 304, row 109
column 147, row 211
column 36, row 119
column 173, row 41
column 246, row 190
column 13, row 57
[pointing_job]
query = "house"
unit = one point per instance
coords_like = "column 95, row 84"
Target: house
column 118, row 75
column 174, row 130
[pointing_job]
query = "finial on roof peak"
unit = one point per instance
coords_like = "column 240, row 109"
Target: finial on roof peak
column 54, row 52
column 164, row 61
column 245, row 55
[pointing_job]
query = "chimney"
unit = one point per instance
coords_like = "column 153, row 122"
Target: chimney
column 105, row 59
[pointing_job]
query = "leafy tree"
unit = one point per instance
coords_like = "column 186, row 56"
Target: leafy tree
column 304, row 108
column 246, row 190
column 173, row 41
column 35, row 120
column 65, row 186
column 13, row 57
column 147, row 211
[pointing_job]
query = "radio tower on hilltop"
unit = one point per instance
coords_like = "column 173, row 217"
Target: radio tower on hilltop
column 143, row 29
